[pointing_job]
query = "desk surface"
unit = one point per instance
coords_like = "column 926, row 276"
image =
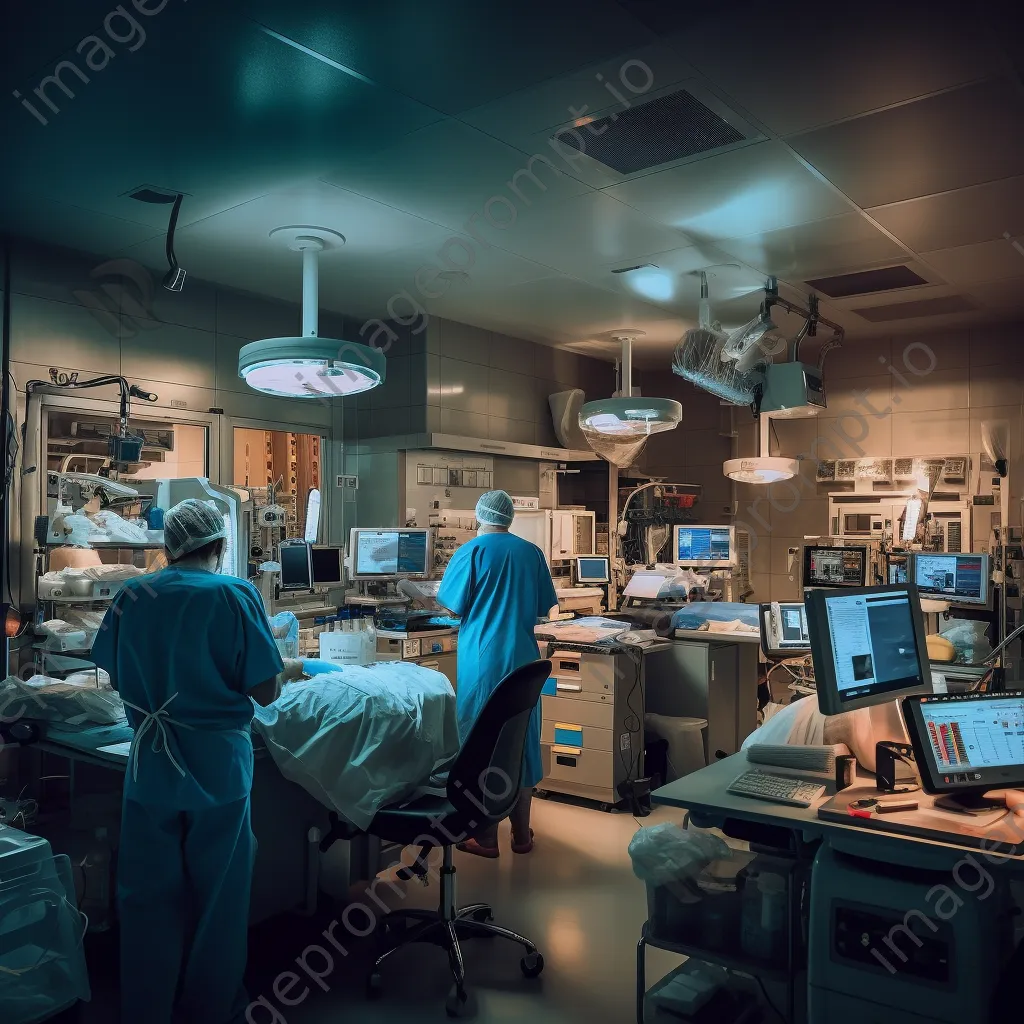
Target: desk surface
column 709, row 636
column 706, row 794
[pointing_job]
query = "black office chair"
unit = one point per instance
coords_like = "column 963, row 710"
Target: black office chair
column 483, row 786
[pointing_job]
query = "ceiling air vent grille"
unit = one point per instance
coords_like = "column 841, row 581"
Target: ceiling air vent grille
column 866, row 282
column 668, row 128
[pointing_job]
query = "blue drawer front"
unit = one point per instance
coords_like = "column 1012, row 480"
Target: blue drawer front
column 550, row 687
column 569, row 737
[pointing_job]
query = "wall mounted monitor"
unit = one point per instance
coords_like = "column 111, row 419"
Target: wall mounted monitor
column 960, row 579
column 594, row 569
column 868, row 646
column 834, row 566
column 383, row 554
column 295, row 569
column 704, row 546
column 326, row 565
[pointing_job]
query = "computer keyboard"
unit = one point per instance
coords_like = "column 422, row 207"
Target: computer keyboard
column 778, row 789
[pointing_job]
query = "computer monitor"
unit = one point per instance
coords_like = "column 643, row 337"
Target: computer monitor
column 593, row 569
column 296, row 573
column 784, row 629
column 835, row 567
column 868, row 646
column 382, row 554
column 709, row 546
column 326, row 564
column 960, row 579
column 967, row 743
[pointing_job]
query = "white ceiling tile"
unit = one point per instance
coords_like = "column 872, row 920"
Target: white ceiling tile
column 795, row 69
column 449, row 173
column 959, row 217
column 983, row 261
column 812, row 250
column 958, row 138
column 758, row 188
column 584, row 232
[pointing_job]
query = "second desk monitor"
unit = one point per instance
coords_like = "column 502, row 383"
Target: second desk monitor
column 708, row 546
column 868, row 646
column 826, row 566
column 382, row 554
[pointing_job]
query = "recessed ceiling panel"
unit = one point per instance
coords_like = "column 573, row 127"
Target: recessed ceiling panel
column 919, row 308
column 960, row 217
column 959, row 138
column 795, row 65
column 806, row 250
column 868, row 282
column 756, row 188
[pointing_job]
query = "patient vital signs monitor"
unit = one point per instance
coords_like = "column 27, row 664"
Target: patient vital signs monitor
column 712, row 546
column 868, row 646
column 380, row 554
column 835, row 567
column 960, row 579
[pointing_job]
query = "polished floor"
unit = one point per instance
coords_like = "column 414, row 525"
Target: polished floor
column 575, row 896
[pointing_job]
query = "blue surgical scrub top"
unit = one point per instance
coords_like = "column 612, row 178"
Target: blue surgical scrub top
column 500, row 586
column 205, row 638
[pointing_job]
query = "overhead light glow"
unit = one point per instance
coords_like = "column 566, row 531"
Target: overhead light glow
column 652, row 284
column 761, row 470
column 630, row 417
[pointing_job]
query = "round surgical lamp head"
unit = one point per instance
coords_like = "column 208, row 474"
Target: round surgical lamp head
column 765, row 469
column 309, row 366
column 630, row 417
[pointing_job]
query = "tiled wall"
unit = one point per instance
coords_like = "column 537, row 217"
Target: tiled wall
column 962, row 378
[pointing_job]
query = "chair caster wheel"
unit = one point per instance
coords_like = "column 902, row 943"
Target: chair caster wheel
column 532, row 965
column 374, row 986
column 457, row 1004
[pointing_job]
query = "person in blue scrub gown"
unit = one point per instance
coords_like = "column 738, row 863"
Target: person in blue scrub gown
column 500, row 586
column 188, row 650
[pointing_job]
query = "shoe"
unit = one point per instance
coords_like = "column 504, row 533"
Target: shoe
column 473, row 847
column 526, row 847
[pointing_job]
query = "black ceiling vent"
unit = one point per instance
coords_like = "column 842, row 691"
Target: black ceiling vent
column 923, row 307
column 657, row 132
column 865, row 282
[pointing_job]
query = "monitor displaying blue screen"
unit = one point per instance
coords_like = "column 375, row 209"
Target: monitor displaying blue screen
column 709, row 545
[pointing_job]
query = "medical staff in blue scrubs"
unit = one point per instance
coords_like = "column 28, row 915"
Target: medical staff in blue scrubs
column 188, row 650
column 500, row 586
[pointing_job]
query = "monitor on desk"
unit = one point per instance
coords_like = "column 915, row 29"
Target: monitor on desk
column 386, row 554
column 704, row 546
column 967, row 743
column 296, row 573
column 593, row 569
column 784, row 629
column 834, row 566
column 868, row 646
column 958, row 578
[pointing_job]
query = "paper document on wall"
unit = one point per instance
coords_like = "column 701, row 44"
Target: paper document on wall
column 645, row 585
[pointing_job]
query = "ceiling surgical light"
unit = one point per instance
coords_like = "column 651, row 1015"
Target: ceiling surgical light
column 761, row 469
column 310, row 366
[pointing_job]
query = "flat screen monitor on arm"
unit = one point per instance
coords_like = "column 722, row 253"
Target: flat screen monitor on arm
column 868, row 646
column 390, row 553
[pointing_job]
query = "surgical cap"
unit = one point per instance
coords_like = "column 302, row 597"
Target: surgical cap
column 190, row 525
column 495, row 509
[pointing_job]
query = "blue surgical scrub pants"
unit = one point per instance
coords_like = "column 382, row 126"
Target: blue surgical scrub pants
column 183, row 889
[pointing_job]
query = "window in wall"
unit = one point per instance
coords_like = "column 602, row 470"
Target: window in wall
column 290, row 463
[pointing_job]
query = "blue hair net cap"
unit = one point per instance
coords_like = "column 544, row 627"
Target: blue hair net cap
column 495, row 509
column 190, row 525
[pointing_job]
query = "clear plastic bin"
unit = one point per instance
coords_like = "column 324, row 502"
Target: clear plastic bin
column 735, row 908
column 42, row 964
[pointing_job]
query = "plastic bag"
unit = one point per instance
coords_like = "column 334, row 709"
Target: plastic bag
column 666, row 853
column 285, row 627
column 969, row 639
column 54, row 700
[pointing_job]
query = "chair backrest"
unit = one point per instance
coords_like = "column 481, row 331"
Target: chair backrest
column 484, row 782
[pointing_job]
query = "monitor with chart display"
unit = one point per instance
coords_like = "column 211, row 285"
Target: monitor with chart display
column 967, row 741
column 835, row 567
column 326, row 565
column 295, row 569
column 784, row 629
column 379, row 554
column 713, row 546
column 960, row 579
column 868, row 646
column 592, row 569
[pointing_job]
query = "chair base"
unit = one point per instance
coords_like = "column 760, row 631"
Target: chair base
column 447, row 928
